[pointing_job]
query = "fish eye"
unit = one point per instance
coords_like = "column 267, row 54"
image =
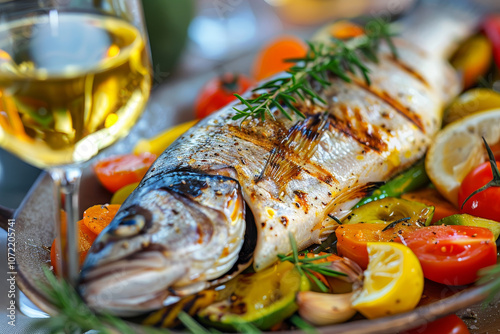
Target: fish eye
column 130, row 226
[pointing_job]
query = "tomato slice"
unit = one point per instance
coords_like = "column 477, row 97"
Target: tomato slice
column 117, row 171
column 450, row 324
column 352, row 238
column 453, row 254
column 219, row 92
column 485, row 203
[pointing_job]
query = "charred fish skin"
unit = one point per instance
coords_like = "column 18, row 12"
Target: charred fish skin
column 178, row 232
column 293, row 175
column 293, row 172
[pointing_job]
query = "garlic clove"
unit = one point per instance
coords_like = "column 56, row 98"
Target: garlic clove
column 325, row 309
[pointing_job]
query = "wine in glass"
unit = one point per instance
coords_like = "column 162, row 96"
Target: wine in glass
column 74, row 78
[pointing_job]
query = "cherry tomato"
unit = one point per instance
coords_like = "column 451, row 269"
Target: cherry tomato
column 450, row 324
column 491, row 27
column 97, row 217
column 219, row 91
column 453, row 254
column 485, row 203
column 117, row 171
column 85, row 239
column 272, row 59
column 352, row 238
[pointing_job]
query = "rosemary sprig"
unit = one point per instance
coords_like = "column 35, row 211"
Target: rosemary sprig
column 495, row 182
column 338, row 58
column 307, row 267
column 488, row 275
column 74, row 316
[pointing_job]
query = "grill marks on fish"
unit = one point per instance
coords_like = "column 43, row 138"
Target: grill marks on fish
column 287, row 160
column 393, row 102
column 408, row 69
column 359, row 129
column 352, row 193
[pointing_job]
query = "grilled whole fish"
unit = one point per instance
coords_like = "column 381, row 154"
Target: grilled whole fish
column 184, row 226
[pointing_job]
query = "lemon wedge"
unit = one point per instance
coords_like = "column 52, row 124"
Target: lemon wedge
column 471, row 102
column 393, row 281
column 458, row 148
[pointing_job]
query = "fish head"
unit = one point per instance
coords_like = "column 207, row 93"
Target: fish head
column 172, row 235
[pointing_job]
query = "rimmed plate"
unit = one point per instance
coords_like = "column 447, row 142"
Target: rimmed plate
column 34, row 233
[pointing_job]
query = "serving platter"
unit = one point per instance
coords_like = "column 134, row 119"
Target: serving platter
column 34, row 233
column 170, row 104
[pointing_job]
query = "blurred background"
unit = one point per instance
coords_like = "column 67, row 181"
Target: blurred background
column 194, row 40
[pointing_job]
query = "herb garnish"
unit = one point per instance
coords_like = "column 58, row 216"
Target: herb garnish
column 338, row 58
column 495, row 182
column 307, row 267
column 487, row 275
column 74, row 316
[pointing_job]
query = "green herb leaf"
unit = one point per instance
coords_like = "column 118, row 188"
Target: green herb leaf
column 74, row 316
column 321, row 61
column 306, row 265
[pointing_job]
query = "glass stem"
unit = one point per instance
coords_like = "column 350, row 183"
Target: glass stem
column 66, row 186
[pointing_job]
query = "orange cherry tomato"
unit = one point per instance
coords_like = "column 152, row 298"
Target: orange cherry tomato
column 346, row 30
column 219, row 92
column 117, row 171
column 450, row 324
column 352, row 238
column 97, row 217
column 271, row 60
column 85, row 239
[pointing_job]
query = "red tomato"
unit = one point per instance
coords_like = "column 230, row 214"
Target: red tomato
column 485, row 203
column 219, row 91
column 453, row 254
column 451, row 324
column 352, row 238
column 117, row 171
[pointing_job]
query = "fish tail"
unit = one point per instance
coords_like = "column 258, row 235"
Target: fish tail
column 438, row 26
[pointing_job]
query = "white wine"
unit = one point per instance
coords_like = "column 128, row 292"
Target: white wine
column 70, row 85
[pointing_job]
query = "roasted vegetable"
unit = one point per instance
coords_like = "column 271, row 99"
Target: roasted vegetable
column 472, row 59
column 390, row 209
column 262, row 299
column 412, row 179
column 158, row 144
column 468, row 220
column 432, row 197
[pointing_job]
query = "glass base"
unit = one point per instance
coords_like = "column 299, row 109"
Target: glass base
column 29, row 309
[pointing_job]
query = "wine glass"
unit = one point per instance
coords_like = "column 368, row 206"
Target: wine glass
column 74, row 77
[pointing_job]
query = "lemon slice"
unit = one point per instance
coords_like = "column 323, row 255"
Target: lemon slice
column 470, row 102
column 393, row 282
column 458, row 148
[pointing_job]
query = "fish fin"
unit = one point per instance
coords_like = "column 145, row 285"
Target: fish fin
column 454, row 20
column 300, row 142
column 358, row 191
column 329, row 222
